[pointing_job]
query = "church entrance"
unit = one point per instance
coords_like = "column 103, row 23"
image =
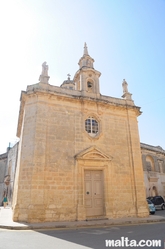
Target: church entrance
column 94, row 197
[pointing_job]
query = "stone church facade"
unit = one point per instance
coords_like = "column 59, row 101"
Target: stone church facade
column 79, row 153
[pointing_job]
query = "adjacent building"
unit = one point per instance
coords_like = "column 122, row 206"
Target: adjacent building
column 3, row 166
column 154, row 169
column 8, row 162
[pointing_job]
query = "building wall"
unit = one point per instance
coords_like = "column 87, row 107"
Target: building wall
column 153, row 158
column 154, row 171
column 3, row 164
column 10, row 171
column 8, row 163
column 50, row 177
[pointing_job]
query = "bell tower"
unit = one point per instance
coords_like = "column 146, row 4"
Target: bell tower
column 87, row 78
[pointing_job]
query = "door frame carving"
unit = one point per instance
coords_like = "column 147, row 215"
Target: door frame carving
column 91, row 159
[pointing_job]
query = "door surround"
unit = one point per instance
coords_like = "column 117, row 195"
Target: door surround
column 91, row 159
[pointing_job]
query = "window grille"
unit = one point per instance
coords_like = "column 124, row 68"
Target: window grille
column 91, row 126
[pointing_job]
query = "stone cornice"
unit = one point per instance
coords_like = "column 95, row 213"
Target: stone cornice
column 157, row 149
column 48, row 90
column 75, row 94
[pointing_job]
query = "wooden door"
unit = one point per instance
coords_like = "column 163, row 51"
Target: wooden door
column 94, row 199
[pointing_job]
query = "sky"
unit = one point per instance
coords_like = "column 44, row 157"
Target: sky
column 126, row 38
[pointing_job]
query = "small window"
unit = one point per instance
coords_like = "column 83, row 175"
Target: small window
column 91, row 126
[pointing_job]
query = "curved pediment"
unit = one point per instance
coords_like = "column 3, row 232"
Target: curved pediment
column 93, row 153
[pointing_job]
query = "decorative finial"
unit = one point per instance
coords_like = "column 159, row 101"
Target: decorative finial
column 44, row 74
column 68, row 76
column 85, row 49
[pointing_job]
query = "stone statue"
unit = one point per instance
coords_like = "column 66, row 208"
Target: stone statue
column 126, row 94
column 44, row 78
column 44, row 69
column 125, row 86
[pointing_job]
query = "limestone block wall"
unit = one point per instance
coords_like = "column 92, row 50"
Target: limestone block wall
column 45, row 181
column 118, row 138
column 10, row 170
column 49, row 185
column 157, row 182
column 3, row 164
column 153, row 158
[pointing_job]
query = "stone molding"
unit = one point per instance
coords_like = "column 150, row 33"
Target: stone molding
column 152, row 148
column 152, row 176
column 93, row 153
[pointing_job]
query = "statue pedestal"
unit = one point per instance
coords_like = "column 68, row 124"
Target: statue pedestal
column 127, row 95
column 44, row 79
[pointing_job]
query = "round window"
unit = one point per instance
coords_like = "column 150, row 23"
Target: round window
column 91, row 126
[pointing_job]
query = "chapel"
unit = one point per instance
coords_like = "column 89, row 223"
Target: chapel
column 79, row 154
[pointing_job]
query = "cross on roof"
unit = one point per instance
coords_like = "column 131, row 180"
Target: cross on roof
column 68, row 76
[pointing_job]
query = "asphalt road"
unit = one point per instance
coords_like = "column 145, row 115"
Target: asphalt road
column 80, row 238
column 161, row 213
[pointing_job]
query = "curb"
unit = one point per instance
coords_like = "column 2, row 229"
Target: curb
column 79, row 226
